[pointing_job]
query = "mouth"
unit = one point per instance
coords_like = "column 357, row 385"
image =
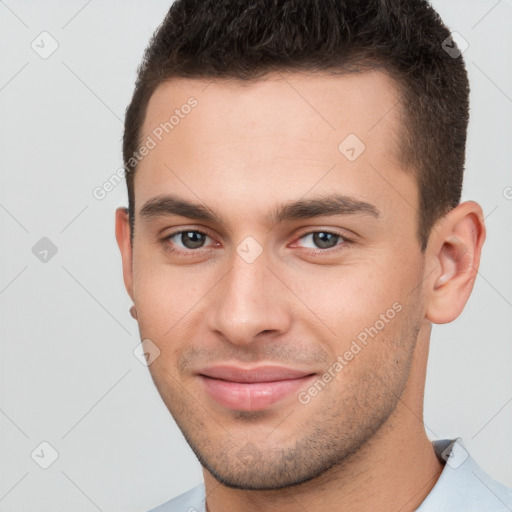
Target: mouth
column 253, row 389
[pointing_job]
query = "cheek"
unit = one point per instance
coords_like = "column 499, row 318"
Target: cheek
column 353, row 296
column 168, row 297
column 342, row 300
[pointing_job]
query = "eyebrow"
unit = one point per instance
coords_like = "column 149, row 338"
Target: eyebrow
column 295, row 210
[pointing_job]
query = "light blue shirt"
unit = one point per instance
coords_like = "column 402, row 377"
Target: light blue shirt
column 462, row 487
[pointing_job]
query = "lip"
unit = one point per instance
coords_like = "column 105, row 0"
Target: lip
column 252, row 389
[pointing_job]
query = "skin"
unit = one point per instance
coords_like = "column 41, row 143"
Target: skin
column 244, row 150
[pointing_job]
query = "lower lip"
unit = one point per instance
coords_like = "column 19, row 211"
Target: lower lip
column 251, row 396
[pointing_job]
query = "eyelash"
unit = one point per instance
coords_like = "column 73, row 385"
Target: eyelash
column 338, row 247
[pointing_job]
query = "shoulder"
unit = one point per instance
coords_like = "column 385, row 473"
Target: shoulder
column 190, row 501
column 463, row 485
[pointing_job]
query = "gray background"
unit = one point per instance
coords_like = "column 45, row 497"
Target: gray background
column 67, row 370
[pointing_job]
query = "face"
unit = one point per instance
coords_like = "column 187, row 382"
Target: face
column 275, row 269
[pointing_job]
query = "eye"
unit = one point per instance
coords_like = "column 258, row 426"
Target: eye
column 187, row 240
column 323, row 240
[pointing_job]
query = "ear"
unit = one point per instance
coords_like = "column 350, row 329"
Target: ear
column 454, row 250
column 125, row 246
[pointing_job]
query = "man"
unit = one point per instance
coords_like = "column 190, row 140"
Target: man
column 294, row 171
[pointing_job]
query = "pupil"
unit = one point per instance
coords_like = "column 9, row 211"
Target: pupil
column 192, row 239
column 325, row 240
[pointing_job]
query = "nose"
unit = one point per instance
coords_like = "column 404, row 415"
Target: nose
column 250, row 303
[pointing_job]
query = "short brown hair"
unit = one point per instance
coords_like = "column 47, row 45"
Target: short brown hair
column 248, row 39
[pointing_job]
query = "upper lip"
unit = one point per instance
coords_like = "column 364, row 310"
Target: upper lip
column 255, row 374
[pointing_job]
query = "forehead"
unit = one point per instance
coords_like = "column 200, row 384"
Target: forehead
column 286, row 134
column 303, row 105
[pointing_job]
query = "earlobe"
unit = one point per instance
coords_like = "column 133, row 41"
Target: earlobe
column 125, row 246
column 455, row 249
